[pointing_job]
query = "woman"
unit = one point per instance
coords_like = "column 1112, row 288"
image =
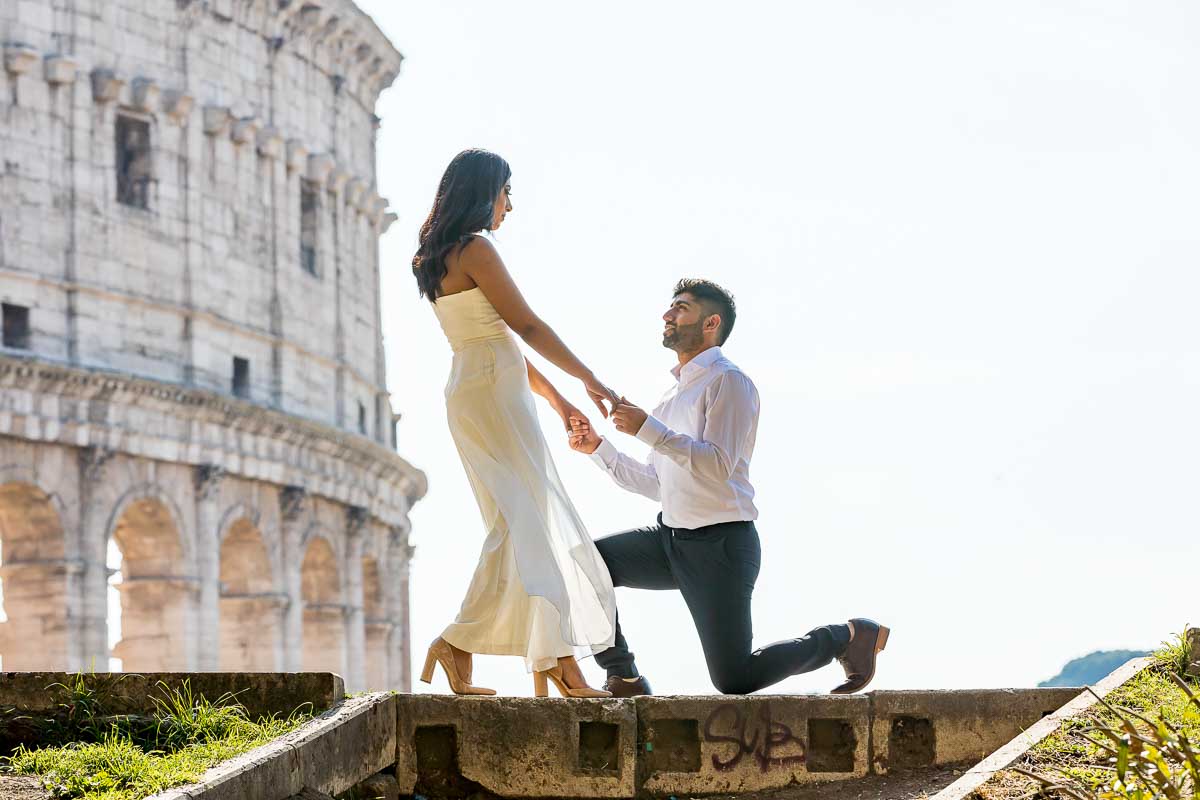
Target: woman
column 541, row 589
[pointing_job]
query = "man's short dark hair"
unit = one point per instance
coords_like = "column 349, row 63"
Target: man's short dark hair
column 714, row 300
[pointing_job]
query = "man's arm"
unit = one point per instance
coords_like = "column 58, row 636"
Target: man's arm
column 728, row 421
column 628, row 473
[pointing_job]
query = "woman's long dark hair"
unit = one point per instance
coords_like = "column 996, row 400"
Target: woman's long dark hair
column 464, row 205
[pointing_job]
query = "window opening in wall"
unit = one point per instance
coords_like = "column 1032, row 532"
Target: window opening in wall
column 16, row 325
column 308, row 226
column 362, row 419
column 134, row 168
column 241, row 377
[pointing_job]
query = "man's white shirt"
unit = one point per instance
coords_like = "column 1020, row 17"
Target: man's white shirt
column 702, row 436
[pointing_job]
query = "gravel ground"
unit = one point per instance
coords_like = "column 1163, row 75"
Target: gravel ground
column 21, row 787
column 908, row 785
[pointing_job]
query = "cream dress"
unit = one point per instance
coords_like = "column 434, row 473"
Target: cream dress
column 540, row 590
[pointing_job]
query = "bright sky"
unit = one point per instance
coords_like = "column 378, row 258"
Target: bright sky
column 963, row 241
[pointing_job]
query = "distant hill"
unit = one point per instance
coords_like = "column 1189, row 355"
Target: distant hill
column 1091, row 668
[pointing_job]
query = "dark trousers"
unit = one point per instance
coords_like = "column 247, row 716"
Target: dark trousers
column 714, row 568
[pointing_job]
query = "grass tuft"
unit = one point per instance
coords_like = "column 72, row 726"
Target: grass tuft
column 137, row 757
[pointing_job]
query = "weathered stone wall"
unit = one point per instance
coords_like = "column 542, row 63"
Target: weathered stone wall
column 244, row 100
column 218, row 571
column 155, row 154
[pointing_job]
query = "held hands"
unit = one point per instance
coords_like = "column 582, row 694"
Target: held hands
column 627, row 417
column 599, row 393
column 583, row 437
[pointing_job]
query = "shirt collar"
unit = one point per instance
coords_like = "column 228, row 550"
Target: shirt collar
column 700, row 363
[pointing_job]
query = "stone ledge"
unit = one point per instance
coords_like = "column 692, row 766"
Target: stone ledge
column 645, row 747
column 718, row 744
column 919, row 729
column 516, row 747
column 1007, row 755
column 262, row 693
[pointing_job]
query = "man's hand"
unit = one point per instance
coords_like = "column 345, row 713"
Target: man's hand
column 582, row 438
column 628, row 418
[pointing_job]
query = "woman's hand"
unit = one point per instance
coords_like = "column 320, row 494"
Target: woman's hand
column 599, row 393
column 571, row 416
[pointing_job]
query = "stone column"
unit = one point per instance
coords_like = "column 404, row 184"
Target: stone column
column 208, row 566
column 291, row 512
column 93, row 551
column 399, row 643
column 356, row 641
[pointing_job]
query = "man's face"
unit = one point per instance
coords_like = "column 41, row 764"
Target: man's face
column 683, row 328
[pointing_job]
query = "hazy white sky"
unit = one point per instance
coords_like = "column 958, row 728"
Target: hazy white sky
column 963, row 241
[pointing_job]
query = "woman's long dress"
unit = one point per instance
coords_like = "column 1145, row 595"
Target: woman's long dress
column 541, row 589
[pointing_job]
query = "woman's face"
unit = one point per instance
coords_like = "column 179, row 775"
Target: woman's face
column 503, row 205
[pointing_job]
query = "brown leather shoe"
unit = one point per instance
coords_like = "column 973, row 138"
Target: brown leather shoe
column 619, row 687
column 859, row 657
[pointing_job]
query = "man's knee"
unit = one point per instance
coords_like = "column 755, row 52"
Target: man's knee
column 733, row 685
column 608, row 553
column 731, row 678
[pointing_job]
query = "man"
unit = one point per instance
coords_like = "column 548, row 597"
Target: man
column 705, row 543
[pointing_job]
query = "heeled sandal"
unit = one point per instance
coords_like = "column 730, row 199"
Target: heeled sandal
column 555, row 674
column 440, row 652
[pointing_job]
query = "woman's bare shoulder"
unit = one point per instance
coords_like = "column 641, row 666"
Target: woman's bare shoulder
column 478, row 249
column 478, row 256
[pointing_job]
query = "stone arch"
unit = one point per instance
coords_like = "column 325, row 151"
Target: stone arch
column 33, row 576
column 157, row 593
column 250, row 610
column 324, row 633
column 377, row 624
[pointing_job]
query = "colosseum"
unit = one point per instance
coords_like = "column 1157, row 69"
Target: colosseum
column 193, row 406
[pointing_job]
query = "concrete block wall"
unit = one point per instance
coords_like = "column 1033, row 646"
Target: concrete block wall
column 916, row 729
column 516, row 747
column 697, row 746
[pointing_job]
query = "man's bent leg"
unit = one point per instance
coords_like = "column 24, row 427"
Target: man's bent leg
column 771, row 664
column 635, row 559
column 717, row 568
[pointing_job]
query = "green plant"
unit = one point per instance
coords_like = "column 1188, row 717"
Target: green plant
column 1144, row 758
column 132, row 757
column 81, row 710
column 184, row 719
column 1175, row 653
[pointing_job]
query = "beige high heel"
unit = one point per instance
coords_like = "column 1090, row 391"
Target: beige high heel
column 541, row 689
column 441, row 653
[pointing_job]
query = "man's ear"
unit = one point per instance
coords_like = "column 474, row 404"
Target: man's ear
column 712, row 322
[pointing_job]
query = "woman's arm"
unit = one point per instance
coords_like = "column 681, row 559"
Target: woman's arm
column 482, row 263
column 542, row 387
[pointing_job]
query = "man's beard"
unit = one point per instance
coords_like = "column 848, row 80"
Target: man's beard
column 684, row 338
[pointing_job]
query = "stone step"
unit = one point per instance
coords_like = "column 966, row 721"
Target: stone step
column 693, row 746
